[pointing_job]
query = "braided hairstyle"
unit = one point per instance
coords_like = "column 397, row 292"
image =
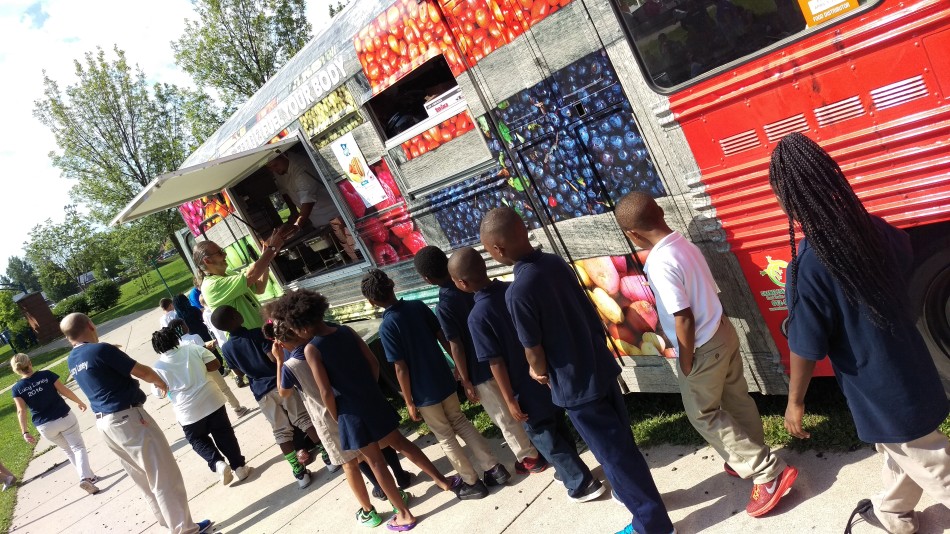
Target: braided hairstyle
column 298, row 309
column 164, row 340
column 812, row 189
column 278, row 331
column 377, row 286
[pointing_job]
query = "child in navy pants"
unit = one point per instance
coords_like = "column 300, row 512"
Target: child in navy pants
column 565, row 346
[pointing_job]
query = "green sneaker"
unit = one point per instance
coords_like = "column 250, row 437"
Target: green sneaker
column 405, row 500
column 369, row 519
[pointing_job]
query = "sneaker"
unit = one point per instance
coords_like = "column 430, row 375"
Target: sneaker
column 531, row 465
column 242, row 472
column 368, row 519
column 466, row 492
column 616, row 498
column 766, row 496
column 866, row 510
column 588, row 493
column 7, row 482
column 241, row 411
column 239, row 380
column 88, row 486
column 497, row 476
column 206, row 526
column 224, row 472
column 730, row 471
column 405, row 500
column 627, row 530
column 378, row 493
column 404, row 481
column 94, row 479
column 303, row 479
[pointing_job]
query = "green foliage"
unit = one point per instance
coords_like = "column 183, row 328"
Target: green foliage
column 56, row 284
column 103, row 295
column 235, row 46
column 9, row 311
column 336, row 8
column 20, row 271
column 62, row 251
column 72, row 304
column 133, row 299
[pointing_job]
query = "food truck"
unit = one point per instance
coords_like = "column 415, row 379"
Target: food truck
column 417, row 117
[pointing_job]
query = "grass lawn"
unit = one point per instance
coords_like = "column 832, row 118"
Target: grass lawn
column 8, row 377
column 177, row 276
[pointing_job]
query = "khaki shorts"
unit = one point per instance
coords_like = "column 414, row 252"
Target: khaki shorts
column 284, row 414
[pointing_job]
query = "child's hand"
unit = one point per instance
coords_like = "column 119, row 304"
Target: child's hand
column 413, row 412
column 794, row 414
column 515, row 409
column 470, row 391
column 541, row 379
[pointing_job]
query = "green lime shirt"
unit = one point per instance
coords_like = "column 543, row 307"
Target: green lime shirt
column 232, row 290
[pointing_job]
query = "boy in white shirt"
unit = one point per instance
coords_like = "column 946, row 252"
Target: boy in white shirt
column 199, row 404
column 713, row 386
column 188, row 338
column 169, row 314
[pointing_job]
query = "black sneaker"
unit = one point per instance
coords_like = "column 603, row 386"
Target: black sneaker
column 466, row 492
column 866, row 510
column 404, row 481
column 587, row 493
column 497, row 476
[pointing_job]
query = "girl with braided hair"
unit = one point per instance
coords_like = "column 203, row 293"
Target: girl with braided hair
column 199, row 404
column 846, row 290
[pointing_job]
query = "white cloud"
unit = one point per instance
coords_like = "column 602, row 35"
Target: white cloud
column 50, row 35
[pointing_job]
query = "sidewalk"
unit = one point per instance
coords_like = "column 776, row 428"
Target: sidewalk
column 700, row 497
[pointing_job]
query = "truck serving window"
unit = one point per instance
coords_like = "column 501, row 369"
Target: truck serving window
column 403, row 105
column 679, row 40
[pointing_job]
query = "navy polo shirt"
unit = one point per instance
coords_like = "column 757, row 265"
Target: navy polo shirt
column 408, row 333
column 39, row 393
column 104, row 373
column 452, row 310
column 550, row 309
column 495, row 338
column 888, row 378
column 246, row 351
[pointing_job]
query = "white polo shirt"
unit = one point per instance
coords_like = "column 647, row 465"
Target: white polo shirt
column 192, row 395
column 680, row 278
column 302, row 185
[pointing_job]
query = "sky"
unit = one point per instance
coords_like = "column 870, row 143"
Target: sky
column 49, row 35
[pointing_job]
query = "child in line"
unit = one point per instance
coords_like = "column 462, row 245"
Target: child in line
column 294, row 373
column 711, row 378
column 188, row 338
column 453, row 312
column 346, row 373
column 198, row 404
column 169, row 314
column 529, row 402
column 220, row 337
column 565, row 347
column 411, row 335
column 846, row 289
column 249, row 352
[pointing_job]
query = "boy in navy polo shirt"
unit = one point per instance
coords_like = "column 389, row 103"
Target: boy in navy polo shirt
column 248, row 351
column 565, row 346
column 453, row 311
column 846, row 290
column 105, row 374
column 496, row 343
column 411, row 335
column 711, row 377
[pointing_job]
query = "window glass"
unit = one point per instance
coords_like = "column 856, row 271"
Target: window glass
column 403, row 105
column 679, row 40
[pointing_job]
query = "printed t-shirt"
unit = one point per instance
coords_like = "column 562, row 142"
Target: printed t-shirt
column 232, row 290
column 39, row 393
column 247, row 351
column 889, row 379
column 104, row 373
column 408, row 333
column 192, row 395
column 549, row 308
column 452, row 310
column 680, row 278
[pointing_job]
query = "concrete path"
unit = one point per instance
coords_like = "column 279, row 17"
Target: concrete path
column 700, row 497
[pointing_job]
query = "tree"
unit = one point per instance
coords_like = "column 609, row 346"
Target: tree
column 20, row 271
column 115, row 133
column 235, row 46
column 334, row 9
column 67, row 248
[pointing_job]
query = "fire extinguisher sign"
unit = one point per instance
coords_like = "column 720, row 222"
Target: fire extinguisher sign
column 819, row 11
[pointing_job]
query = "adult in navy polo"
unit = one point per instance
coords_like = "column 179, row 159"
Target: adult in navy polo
column 565, row 346
column 108, row 378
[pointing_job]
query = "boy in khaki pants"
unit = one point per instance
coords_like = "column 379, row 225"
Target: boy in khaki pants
column 715, row 393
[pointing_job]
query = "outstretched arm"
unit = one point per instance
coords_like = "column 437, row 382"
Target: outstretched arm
column 146, row 373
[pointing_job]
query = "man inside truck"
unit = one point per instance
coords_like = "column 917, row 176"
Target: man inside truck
column 308, row 199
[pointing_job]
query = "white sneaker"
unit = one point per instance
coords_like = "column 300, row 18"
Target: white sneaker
column 241, row 411
column 89, row 487
column 242, row 472
column 303, row 479
column 9, row 481
column 224, row 472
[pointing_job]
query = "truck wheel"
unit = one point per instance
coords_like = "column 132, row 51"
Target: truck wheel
column 930, row 298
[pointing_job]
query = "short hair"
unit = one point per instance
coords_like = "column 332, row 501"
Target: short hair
column 225, row 318
column 638, row 211
column 74, row 324
column 376, row 285
column 199, row 254
column 431, row 262
column 297, row 309
column 165, row 340
column 502, row 223
column 165, row 303
column 467, row 264
column 20, row 364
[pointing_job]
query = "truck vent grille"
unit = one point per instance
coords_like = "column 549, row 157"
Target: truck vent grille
column 841, row 110
column 739, row 142
column 898, row 93
column 780, row 129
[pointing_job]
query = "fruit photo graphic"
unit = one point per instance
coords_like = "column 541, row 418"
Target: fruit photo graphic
column 625, row 303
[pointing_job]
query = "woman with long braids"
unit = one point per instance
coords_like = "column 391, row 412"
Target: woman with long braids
column 846, row 290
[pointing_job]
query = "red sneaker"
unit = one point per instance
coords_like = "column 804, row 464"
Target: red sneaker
column 531, row 465
column 766, row 496
column 730, row 471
